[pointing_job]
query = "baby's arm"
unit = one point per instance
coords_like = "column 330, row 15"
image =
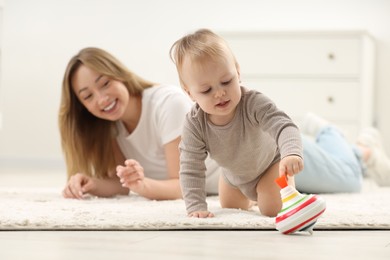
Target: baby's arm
column 290, row 145
column 193, row 170
column 290, row 165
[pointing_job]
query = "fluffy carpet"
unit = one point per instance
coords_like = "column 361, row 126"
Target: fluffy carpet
column 45, row 209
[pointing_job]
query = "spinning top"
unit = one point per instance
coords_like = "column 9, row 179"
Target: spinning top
column 299, row 211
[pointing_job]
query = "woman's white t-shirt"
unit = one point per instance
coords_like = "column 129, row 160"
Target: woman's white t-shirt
column 164, row 108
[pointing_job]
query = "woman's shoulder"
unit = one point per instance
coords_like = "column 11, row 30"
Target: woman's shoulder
column 165, row 94
column 163, row 90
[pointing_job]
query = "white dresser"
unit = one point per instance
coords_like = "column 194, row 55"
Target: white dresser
column 329, row 73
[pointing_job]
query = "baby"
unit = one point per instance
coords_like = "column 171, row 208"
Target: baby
column 251, row 139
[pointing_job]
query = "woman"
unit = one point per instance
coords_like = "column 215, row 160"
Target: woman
column 109, row 115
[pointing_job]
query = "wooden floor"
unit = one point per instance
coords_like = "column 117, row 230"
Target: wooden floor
column 239, row 245
column 359, row 244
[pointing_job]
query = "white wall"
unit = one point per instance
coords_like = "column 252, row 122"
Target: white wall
column 40, row 36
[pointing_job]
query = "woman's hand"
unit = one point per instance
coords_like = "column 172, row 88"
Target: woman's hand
column 290, row 165
column 131, row 175
column 78, row 185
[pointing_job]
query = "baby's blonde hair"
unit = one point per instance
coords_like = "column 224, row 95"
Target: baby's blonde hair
column 199, row 46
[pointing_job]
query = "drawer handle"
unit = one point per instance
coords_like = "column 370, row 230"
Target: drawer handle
column 330, row 99
column 331, row 56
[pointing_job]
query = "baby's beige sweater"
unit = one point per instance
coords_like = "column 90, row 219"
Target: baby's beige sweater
column 258, row 135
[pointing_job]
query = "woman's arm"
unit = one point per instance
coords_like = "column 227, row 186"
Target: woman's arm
column 80, row 184
column 132, row 176
column 108, row 187
column 170, row 188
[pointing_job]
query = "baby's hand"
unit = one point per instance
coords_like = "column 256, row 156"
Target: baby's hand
column 131, row 175
column 201, row 214
column 290, row 165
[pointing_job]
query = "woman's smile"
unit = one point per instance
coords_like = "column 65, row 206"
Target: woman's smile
column 110, row 107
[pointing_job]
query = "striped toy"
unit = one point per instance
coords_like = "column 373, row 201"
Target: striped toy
column 299, row 211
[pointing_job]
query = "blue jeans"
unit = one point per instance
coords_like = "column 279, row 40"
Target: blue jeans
column 331, row 164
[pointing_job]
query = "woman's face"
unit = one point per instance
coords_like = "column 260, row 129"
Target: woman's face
column 102, row 96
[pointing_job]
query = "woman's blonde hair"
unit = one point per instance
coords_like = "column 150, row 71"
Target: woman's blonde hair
column 88, row 141
column 198, row 46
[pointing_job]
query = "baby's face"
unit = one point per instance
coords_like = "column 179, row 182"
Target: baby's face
column 214, row 85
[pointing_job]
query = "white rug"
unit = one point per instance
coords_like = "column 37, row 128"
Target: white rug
column 45, row 209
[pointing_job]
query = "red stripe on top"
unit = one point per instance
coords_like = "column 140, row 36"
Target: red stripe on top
column 295, row 210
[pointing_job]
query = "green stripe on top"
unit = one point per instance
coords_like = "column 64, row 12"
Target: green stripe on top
column 299, row 201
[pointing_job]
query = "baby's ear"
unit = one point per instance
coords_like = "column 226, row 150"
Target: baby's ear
column 238, row 71
column 189, row 94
